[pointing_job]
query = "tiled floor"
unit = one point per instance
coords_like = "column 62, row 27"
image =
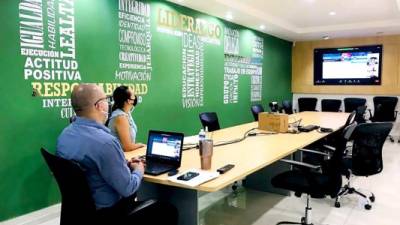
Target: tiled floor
column 258, row 208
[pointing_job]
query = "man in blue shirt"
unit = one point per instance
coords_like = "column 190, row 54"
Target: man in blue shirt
column 112, row 179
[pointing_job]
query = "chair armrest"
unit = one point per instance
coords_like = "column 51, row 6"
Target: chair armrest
column 297, row 163
column 330, row 148
column 143, row 205
column 313, row 151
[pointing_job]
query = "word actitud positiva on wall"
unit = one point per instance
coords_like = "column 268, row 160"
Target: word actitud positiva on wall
column 47, row 40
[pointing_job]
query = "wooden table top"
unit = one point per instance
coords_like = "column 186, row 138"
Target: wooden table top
column 251, row 154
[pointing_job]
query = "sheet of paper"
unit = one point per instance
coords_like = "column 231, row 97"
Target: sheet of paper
column 203, row 177
column 191, row 140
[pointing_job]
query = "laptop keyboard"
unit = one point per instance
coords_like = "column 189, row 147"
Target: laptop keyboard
column 157, row 167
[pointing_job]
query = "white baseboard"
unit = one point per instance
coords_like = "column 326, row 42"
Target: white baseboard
column 46, row 216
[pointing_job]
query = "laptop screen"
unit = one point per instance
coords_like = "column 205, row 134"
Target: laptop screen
column 166, row 146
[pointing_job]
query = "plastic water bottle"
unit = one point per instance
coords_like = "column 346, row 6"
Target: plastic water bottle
column 202, row 135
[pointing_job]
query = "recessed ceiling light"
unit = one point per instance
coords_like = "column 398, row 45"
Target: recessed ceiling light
column 325, row 37
column 332, row 13
column 262, row 27
column 229, row 16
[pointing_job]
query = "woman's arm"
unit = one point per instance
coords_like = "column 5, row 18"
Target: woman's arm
column 122, row 127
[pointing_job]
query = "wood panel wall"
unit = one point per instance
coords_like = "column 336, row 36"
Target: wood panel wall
column 303, row 69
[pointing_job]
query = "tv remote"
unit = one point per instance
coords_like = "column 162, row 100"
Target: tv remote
column 187, row 176
column 325, row 129
column 225, row 168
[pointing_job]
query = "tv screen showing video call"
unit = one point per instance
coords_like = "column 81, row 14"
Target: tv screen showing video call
column 348, row 66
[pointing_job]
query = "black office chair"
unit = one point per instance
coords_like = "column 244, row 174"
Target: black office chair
column 384, row 110
column 209, row 120
column 350, row 119
column 77, row 205
column 110, row 100
column 307, row 104
column 287, row 107
column 330, row 105
column 274, row 107
column 255, row 110
column 309, row 180
column 358, row 105
column 366, row 159
column 72, row 119
column 328, row 144
column 331, row 140
column 351, row 104
column 360, row 114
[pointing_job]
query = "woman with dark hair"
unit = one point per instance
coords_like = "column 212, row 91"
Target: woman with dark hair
column 121, row 122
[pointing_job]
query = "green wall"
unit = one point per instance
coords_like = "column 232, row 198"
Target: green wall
column 28, row 122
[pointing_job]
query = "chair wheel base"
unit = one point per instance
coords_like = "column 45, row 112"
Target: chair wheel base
column 337, row 204
column 303, row 222
column 372, row 198
column 287, row 222
column 234, row 187
column 367, row 206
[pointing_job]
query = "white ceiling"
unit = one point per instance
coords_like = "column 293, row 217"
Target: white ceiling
column 298, row 20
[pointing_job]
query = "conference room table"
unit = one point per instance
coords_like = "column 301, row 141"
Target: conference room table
column 252, row 158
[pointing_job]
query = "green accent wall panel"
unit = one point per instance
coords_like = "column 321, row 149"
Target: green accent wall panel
column 179, row 62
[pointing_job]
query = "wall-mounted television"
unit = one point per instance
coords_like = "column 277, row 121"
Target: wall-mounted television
column 360, row 65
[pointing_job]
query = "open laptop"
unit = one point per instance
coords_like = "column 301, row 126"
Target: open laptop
column 164, row 152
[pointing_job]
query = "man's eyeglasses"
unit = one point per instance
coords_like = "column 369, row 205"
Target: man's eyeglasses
column 107, row 99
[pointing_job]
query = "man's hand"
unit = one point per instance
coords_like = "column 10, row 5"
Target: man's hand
column 139, row 159
column 136, row 164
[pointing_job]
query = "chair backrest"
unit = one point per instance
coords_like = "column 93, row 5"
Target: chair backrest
column 287, row 106
column 330, row 105
column 255, row 110
column 360, row 112
column 209, row 120
column 384, row 109
column 350, row 119
column 307, row 104
column 351, row 104
column 368, row 140
column 72, row 119
column 333, row 167
column 341, row 143
column 77, row 205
